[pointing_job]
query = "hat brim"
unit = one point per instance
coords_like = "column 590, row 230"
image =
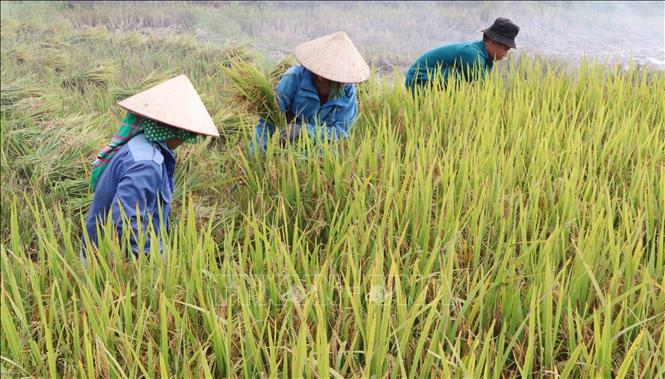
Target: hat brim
column 510, row 42
column 333, row 57
column 174, row 102
column 333, row 76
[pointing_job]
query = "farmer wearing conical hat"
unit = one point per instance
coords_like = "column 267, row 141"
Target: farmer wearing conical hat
column 133, row 176
column 467, row 60
column 318, row 96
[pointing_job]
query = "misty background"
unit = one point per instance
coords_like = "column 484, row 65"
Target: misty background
column 396, row 33
column 393, row 34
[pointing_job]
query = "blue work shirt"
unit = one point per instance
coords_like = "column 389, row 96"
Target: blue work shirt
column 297, row 96
column 140, row 173
column 459, row 60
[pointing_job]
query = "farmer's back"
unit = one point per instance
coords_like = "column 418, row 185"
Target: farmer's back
column 452, row 59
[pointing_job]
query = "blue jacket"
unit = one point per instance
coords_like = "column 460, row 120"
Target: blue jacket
column 297, row 95
column 140, row 173
column 459, row 60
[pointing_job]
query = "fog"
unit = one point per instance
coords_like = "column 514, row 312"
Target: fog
column 395, row 33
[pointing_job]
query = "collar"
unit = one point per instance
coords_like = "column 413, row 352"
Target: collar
column 166, row 152
column 307, row 83
column 169, row 160
column 483, row 53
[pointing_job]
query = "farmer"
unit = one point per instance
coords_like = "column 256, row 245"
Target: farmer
column 318, row 96
column 466, row 60
column 133, row 175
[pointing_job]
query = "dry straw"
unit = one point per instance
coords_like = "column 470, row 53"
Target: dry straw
column 253, row 91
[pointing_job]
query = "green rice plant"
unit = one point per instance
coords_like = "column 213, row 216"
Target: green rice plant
column 513, row 227
column 66, row 145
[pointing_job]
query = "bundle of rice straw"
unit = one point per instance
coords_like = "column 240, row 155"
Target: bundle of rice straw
column 254, row 91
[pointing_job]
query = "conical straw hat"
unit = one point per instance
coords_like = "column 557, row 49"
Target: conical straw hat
column 174, row 102
column 333, row 57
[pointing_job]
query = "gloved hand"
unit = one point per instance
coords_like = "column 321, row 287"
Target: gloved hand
column 289, row 134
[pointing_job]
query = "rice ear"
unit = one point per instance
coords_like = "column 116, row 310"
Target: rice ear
column 281, row 67
column 254, row 91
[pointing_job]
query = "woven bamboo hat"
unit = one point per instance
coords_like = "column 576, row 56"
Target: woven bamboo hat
column 174, row 102
column 333, row 57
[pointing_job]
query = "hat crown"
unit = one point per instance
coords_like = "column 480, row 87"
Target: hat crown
column 503, row 31
column 174, row 102
column 505, row 27
column 334, row 57
column 339, row 36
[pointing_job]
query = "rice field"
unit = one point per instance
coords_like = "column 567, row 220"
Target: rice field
column 511, row 228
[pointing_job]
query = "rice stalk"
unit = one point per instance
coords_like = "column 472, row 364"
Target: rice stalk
column 253, row 91
column 55, row 59
column 152, row 79
column 100, row 75
column 97, row 33
column 11, row 93
column 22, row 54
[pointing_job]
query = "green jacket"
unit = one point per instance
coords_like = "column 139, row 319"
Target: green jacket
column 465, row 60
